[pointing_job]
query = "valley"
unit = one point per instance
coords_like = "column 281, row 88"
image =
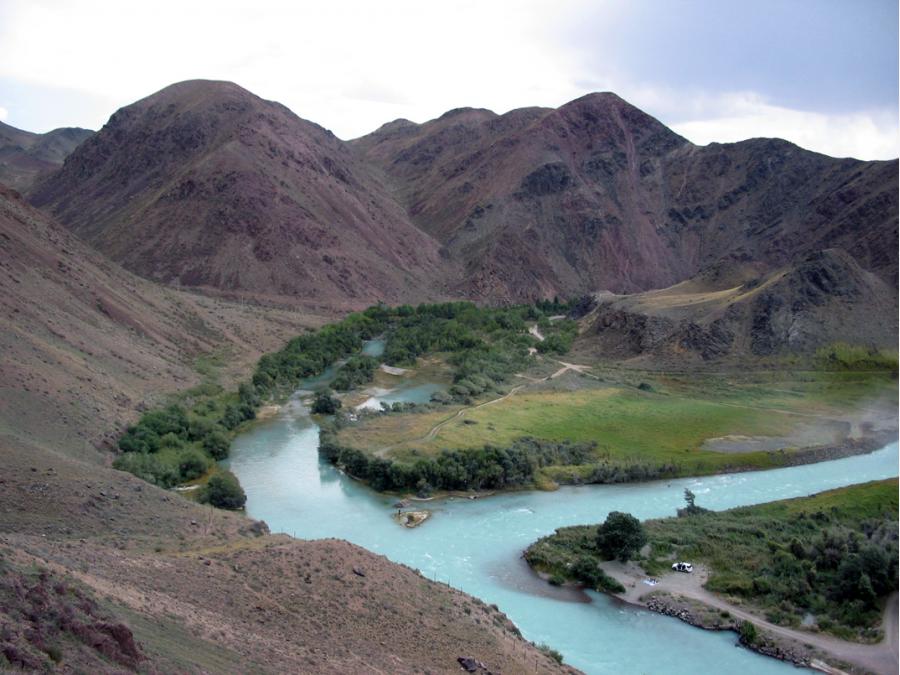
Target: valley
column 499, row 324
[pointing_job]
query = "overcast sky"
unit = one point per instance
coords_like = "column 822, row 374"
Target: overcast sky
column 821, row 73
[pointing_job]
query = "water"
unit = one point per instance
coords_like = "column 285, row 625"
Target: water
column 476, row 545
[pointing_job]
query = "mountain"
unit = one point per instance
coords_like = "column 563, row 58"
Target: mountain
column 599, row 195
column 87, row 344
column 104, row 573
column 24, row 155
column 204, row 184
column 734, row 309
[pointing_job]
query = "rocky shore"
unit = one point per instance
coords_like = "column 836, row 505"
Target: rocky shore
column 702, row 616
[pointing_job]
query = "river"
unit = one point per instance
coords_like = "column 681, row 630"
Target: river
column 476, row 545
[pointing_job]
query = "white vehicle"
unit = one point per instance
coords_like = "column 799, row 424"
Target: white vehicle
column 683, row 567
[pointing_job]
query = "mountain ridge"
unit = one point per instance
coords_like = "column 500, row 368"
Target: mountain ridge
column 204, row 184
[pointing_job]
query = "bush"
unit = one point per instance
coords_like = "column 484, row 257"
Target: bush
column 217, row 444
column 223, row 491
column 192, row 464
column 325, row 404
column 552, row 653
column 749, row 634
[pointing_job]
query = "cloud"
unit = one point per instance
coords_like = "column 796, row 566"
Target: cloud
column 352, row 65
column 735, row 117
column 4, row 113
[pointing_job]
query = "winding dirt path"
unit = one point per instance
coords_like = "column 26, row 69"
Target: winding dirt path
column 437, row 427
column 878, row 658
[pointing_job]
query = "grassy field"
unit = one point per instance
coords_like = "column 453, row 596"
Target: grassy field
column 667, row 424
column 832, row 555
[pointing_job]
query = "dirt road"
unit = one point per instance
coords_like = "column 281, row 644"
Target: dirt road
column 877, row 658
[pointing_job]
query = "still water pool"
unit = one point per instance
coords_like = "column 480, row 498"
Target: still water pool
column 476, row 545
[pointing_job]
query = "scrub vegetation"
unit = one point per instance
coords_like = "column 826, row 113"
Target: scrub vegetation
column 830, row 558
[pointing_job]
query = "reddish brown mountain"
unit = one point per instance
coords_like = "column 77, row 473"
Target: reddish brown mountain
column 25, row 155
column 85, row 344
column 599, row 195
column 205, row 184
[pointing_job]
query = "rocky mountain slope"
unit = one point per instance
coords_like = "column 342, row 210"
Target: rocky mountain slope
column 25, row 155
column 86, row 344
column 103, row 573
column 204, row 184
column 734, row 310
column 599, row 195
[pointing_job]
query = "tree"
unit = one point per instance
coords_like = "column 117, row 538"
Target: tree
column 224, row 491
column 689, row 499
column 620, row 536
column 325, row 404
column 216, row 443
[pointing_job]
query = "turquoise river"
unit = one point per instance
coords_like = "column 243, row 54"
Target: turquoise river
column 476, row 545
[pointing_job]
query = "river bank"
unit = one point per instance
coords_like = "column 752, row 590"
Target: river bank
column 753, row 552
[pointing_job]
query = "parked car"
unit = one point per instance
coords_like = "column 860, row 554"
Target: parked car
column 683, row 567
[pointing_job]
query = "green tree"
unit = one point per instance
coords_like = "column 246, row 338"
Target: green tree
column 325, row 404
column 224, row 491
column 216, row 443
column 620, row 536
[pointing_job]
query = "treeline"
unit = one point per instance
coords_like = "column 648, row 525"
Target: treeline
column 607, row 473
column 485, row 468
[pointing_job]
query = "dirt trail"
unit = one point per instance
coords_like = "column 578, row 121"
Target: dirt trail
column 437, row 427
column 877, row 658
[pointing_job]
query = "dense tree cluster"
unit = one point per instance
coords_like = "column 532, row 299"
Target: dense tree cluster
column 356, row 371
column 486, row 468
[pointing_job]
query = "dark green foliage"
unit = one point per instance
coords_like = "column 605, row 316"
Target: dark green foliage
column 487, row 468
column 223, row 491
column 192, row 463
column 832, row 555
column 148, row 467
column 588, row 572
column 217, row 443
column 690, row 509
column 749, row 635
column 621, row 536
column 325, row 404
column 358, row 370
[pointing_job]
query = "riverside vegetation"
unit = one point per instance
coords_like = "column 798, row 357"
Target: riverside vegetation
column 831, row 557
column 601, row 431
column 182, row 441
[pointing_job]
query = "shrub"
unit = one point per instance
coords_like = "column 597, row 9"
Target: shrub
column 325, row 404
column 749, row 634
column 217, row 444
column 192, row 464
column 223, row 491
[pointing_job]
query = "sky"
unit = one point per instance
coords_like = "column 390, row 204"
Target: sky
column 820, row 73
